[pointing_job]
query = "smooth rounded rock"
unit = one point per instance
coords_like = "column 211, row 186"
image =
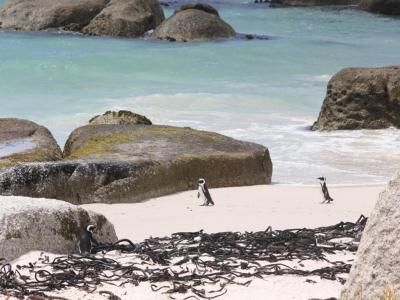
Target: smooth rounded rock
column 130, row 163
column 126, row 18
column 28, row 224
column 25, row 141
column 194, row 22
column 35, row 15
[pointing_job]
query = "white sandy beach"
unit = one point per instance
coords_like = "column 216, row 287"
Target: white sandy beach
column 237, row 209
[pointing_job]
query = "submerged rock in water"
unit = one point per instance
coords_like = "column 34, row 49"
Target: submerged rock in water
column 25, row 141
column 128, row 18
column 28, row 224
column 387, row 7
column 377, row 266
column 129, row 163
column 120, row 117
column 360, row 98
column 194, row 22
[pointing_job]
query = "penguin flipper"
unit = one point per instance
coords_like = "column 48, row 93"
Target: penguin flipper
column 94, row 242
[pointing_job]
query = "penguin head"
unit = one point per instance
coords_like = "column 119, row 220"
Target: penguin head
column 321, row 178
column 201, row 181
column 90, row 228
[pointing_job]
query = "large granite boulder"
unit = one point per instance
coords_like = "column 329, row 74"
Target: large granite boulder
column 387, row 7
column 279, row 3
column 377, row 266
column 127, row 18
column 35, row 15
column 360, row 98
column 25, row 141
column 194, row 22
column 128, row 163
column 28, row 224
column 120, row 117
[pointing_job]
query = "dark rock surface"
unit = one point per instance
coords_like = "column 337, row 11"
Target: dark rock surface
column 126, row 18
column 387, row 7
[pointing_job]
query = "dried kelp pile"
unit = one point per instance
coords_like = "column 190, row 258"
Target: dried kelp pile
column 196, row 264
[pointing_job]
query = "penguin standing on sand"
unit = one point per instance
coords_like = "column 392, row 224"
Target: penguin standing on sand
column 204, row 193
column 327, row 198
column 87, row 241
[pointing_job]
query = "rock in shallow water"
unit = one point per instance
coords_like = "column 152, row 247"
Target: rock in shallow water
column 377, row 266
column 194, row 22
column 28, row 224
column 361, row 98
column 25, row 141
column 387, row 7
column 129, row 163
column 127, row 18
column 35, row 15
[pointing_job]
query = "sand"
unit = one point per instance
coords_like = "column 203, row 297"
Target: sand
column 237, row 209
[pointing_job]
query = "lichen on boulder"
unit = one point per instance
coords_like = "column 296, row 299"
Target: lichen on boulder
column 130, row 163
column 28, row 224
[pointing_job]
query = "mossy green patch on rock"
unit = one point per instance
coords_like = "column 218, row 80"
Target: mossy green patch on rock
column 129, row 163
column 99, row 146
column 35, row 155
column 104, row 141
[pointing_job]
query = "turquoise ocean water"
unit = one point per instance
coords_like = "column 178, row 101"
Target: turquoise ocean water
column 265, row 91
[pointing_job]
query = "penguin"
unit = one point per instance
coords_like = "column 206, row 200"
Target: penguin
column 87, row 241
column 204, row 193
column 327, row 198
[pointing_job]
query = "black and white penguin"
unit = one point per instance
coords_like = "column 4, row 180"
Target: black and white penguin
column 204, row 193
column 87, row 241
column 325, row 192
